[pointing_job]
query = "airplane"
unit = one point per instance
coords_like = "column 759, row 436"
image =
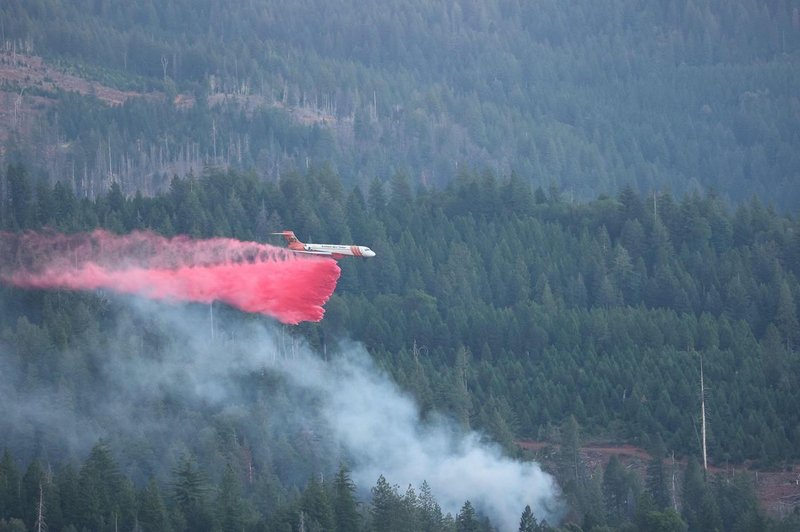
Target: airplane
column 337, row 251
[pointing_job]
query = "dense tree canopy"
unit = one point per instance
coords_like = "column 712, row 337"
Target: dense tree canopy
column 518, row 305
column 680, row 95
column 622, row 231
column 510, row 309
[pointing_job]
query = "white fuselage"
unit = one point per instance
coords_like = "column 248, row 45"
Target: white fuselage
column 329, row 250
column 338, row 249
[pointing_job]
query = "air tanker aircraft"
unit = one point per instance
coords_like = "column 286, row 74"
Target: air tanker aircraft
column 337, row 251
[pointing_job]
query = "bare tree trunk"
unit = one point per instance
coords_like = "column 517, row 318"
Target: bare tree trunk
column 164, row 63
column 674, row 499
column 703, row 415
column 40, row 525
column 214, row 138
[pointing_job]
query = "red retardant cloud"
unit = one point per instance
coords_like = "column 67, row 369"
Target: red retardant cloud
column 249, row 276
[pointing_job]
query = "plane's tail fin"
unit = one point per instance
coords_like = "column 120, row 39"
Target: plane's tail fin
column 291, row 239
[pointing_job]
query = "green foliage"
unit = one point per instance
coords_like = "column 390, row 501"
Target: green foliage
column 152, row 512
column 582, row 98
column 663, row 521
column 386, row 504
column 316, row 507
column 657, row 478
column 513, row 317
column 190, row 492
column 343, row 501
column 497, row 298
column 105, row 497
column 528, row 523
column 467, row 519
column 618, row 489
column 429, row 513
column 726, row 503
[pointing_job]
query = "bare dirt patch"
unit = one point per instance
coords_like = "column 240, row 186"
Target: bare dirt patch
column 28, row 86
column 29, row 71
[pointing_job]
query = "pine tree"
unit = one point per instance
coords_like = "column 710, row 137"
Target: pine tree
column 657, row 478
column 69, row 491
column 527, row 522
column 230, row 512
column 615, row 491
column 190, row 493
column 409, row 514
column 459, row 393
column 592, row 504
column 570, row 463
column 345, row 509
column 430, row 513
column 467, row 519
column 377, row 196
column 385, row 506
column 152, row 514
column 100, row 486
column 698, row 509
column 316, row 506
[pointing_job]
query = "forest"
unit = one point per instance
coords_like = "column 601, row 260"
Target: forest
column 577, row 210
column 678, row 95
column 511, row 310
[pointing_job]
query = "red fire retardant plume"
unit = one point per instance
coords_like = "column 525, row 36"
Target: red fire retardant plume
column 249, row 276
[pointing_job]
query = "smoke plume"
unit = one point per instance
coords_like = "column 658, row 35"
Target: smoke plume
column 249, row 276
column 380, row 427
column 296, row 414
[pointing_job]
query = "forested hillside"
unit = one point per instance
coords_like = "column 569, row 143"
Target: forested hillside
column 678, row 95
column 509, row 309
column 525, row 309
column 576, row 207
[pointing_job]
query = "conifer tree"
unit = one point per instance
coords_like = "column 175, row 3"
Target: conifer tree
column 615, row 492
column 190, row 492
column 385, row 506
column 467, row 519
column 527, row 522
column 100, row 490
column 316, row 506
column 230, row 511
column 345, row 509
column 430, row 513
column 152, row 515
column 657, row 478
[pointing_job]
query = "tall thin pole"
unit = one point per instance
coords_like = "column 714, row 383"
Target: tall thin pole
column 703, row 415
column 674, row 500
column 40, row 524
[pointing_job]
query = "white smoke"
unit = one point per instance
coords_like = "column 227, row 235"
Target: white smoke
column 351, row 406
column 380, row 426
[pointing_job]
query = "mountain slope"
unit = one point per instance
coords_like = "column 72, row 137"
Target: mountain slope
column 590, row 97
